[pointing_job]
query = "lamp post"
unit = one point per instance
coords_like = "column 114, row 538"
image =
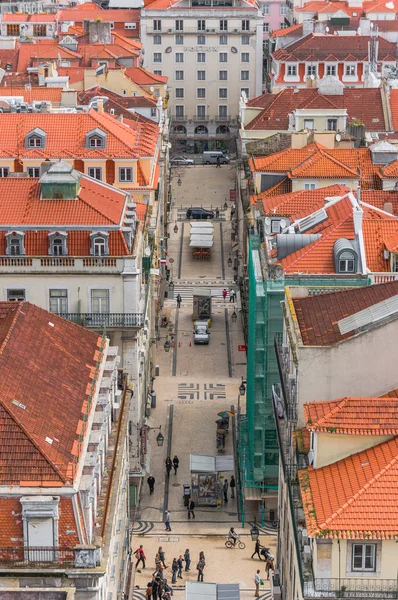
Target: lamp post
column 242, row 388
column 225, row 206
column 254, row 531
column 166, row 345
column 159, row 437
column 234, row 317
column 179, row 181
column 230, row 262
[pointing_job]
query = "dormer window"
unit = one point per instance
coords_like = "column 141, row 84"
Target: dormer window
column 35, row 138
column 96, row 139
column 57, row 245
column 347, row 262
column 15, row 243
column 99, row 243
column 345, row 256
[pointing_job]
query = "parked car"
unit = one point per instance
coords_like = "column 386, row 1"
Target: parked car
column 201, row 333
column 211, row 157
column 181, row 160
column 200, row 213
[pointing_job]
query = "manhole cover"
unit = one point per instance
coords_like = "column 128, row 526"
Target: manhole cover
column 176, row 484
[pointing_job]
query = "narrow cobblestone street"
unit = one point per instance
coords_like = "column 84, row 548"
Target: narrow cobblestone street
column 195, row 383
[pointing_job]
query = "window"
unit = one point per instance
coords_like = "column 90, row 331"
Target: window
column 223, row 25
column 245, row 57
column 157, row 57
column 291, row 70
column 125, row 174
column 201, row 57
column 201, row 40
column 201, row 110
column 266, row 27
column 157, row 25
column 39, row 30
column 350, row 70
column 283, row 10
column 15, row 247
column 179, row 25
column 201, row 75
column 244, row 75
column 35, row 141
column 179, row 57
column 33, row 171
column 245, row 40
column 58, row 246
column 156, row 72
column 180, row 111
column 95, row 172
column 265, row 10
column 100, row 301
column 223, row 112
column 179, row 39
column 223, row 57
column 223, row 40
column 245, row 91
column 310, row 186
column 245, row 25
column 346, row 265
column 331, row 124
column 4, row 171
column 275, row 226
column 309, row 124
column 13, row 30
column 95, row 142
column 364, row 557
column 201, row 25
column 59, row 301
column 311, row 70
column 157, row 40
column 201, row 93
column 282, row 25
column 223, row 75
column 15, row 295
column 179, row 75
column 179, row 92
column 223, row 93
column 331, row 70
column 154, row 112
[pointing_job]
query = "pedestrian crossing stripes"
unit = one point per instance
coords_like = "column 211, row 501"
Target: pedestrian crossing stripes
column 266, row 596
column 188, row 391
column 186, row 293
column 215, row 391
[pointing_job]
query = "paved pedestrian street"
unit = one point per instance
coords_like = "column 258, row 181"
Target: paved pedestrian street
column 194, row 384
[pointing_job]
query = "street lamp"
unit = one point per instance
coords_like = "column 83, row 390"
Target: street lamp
column 242, row 388
column 225, row 206
column 234, row 317
column 254, row 532
column 176, row 228
column 159, row 437
column 179, row 181
column 166, row 345
column 171, row 285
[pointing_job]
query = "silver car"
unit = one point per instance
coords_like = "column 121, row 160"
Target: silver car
column 181, row 160
column 201, row 333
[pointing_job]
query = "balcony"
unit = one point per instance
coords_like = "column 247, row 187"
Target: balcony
column 61, row 264
column 200, row 118
column 37, row 557
column 382, row 277
column 351, row 588
column 179, row 118
column 222, row 118
column 101, row 320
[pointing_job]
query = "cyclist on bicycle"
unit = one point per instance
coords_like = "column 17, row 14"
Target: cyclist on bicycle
column 233, row 536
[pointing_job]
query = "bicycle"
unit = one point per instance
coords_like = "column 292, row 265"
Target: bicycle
column 239, row 544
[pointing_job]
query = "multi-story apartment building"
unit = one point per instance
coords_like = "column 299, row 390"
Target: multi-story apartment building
column 211, row 53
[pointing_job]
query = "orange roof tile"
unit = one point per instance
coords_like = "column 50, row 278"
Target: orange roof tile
column 357, row 416
column 376, row 234
column 116, row 15
column 143, row 77
column 288, row 31
column 317, row 316
column 297, row 205
column 35, row 407
column 35, row 93
column 339, row 500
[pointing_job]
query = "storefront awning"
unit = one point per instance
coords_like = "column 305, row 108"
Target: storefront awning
column 201, row 463
column 211, row 591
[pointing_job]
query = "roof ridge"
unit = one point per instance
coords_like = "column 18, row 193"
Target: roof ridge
column 13, row 315
column 32, row 441
column 338, row 406
column 95, row 208
column 316, row 151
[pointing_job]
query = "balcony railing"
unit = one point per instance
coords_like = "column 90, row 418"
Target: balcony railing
column 37, row 557
column 382, row 277
column 61, row 264
column 177, row 118
column 351, row 588
column 201, row 117
column 222, row 117
column 100, row 320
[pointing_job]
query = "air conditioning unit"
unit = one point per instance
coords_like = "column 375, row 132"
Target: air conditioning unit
column 170, row 31
column 236, row 30
column 207, row 30
column 213, row 31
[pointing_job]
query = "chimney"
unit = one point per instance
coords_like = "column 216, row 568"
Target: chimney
column 100, row 105
column 308, row 27
column 387, row 207
column 120, row 118
column 357, row 215
column 359, row 194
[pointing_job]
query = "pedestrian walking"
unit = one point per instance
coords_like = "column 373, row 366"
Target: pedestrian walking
column 169, row 465
column 218, row 163
column 176, row 463
column 155, row 586
column 225, row 490
column 257, row 549
column 168, row 520
column 232, row 296
column 201, row 555
column 180, row 563
column 232, row 485
column 224, row 294
column 179, row 300
column 191, row 508
column 140, row 556
column 148, row 591
column 162, row 557
column 257, row 583
column 201, row 567
column 160, row 589
column 187, row 558
column 151, row 483
column 217, row 212
column 269, row 566
column 174, row 570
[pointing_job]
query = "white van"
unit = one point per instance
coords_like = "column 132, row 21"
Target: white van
column 210, row 157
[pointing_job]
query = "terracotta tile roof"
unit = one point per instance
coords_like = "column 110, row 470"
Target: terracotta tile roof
column 30, row 54
column 130, row 102
column 140, row 210
column 116, row 15
column 36, row 93
column 75, row 74
column 390, row 170
column 297, row 205
column 10, row 57
column 11, row 524
column 288, row 31
column 143, row 77
column 44, row 409
column 23, row 18
column 377, row 235
column 357, row 416
column 356, row 101
column 379, row 198
column 339, row 500
column 323, row 47
column 66, row 136
column 317, row 316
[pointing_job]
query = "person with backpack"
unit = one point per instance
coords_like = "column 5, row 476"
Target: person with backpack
column 191, row 508
column 140, row 556
column 148, row 591
column 174, row 570
column 162, row 556
column 201, row 567
column 179, row 300
column 151, row 483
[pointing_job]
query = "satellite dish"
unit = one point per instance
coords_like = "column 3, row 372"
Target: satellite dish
column 169, row 145
column 152, row 89
column 327, row 29
column 312, row 77
column 147, row 251
column 283, row 224
column 267, row 221
column 338, row 137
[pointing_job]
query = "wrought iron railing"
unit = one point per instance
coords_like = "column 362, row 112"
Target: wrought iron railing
column 350, row 587
column 37, row 556
column 100, row 320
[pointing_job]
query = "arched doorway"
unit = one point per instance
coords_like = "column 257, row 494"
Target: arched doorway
column 222, row 130
column 201, row 130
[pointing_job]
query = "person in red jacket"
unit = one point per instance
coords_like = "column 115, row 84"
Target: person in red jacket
column 140, row 556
